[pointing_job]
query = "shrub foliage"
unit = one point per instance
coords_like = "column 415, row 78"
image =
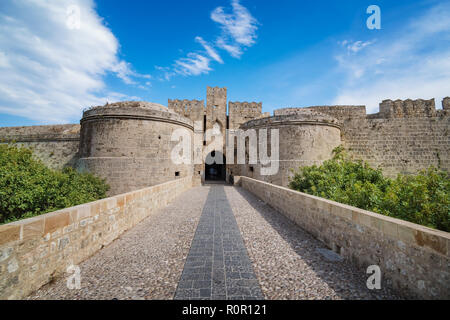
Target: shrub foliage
column 28, row 188
column 423, row 198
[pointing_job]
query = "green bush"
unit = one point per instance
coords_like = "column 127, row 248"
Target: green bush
column 423, row 198
column 28, row 188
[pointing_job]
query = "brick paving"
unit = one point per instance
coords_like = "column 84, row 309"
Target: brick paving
column 218, row 266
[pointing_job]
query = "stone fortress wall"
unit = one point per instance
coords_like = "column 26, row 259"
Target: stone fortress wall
column 214, row 115
column 241, row 112
column 195, row 111
column 128, row 143
column 56, row 145
column 305, row 138
column 404, row 137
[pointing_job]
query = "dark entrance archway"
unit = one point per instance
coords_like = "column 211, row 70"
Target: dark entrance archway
column 215, row 171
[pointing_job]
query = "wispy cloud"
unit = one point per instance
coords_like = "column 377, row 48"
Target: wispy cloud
column 48, row 71
column 211, row 52
column 234, row 50
column 124, row 71
column 238, row 31
column 165, row 73
column 195, row 64
column 238, row 28
column 413, row 62
column 355, row 46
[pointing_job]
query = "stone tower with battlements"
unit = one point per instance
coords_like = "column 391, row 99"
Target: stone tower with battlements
column 214, row 117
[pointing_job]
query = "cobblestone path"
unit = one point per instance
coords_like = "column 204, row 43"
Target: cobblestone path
column 218, row 266
column 215, row 242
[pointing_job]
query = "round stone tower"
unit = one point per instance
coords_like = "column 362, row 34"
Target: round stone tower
column 129, row 144
column 305, row 138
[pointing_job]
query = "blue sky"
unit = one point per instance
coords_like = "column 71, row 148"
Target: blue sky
column 283, row 53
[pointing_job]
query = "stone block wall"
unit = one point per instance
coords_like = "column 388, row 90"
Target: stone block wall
column 196, row 111
column 400, row 145
column 216, row 116
column 407, row 108
column 241, row 112
column 56, row 145
column 305, row 138
column 130, row 145
column 404, row 137
column 414, row 260
column 446, row 104
column 338, row 112
column 192, row 109
column 36, row 250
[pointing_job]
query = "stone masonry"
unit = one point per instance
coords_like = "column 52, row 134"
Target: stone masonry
column 128, row 143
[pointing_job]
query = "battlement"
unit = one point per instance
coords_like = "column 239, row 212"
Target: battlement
column 192, row 109
column 216, row 98
column 216, row 91
column 407, row 108
column 241, row 112
column 388, row 109
column 241, row 106
column 446, row 104
column 338, row 112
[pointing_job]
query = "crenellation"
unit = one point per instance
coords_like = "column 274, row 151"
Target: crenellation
column 446, row 104
column 342, row 112
column 192, row 109
column 241, row 112
column 407, row 108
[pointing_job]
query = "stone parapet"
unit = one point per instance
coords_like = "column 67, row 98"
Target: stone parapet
column 36, row 250
column 413, row 259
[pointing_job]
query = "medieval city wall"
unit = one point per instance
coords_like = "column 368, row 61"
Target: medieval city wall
column 130, row 145
column 241, row 112
column 404, row 137
column 191, row 109
column 55, row 145
column 305, row 138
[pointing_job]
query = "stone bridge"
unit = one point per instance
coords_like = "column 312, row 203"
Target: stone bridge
column 216, row 242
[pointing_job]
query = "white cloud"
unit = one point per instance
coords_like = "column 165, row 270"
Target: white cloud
column 413, row 62
column 234, row 50
column 49, row 71
column 239, row 25
column 238, row 31
column 166, row 73
column 211, row 52
column 355, row 46
column 195, row 64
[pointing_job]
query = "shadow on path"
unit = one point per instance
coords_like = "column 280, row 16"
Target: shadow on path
column 347, row 281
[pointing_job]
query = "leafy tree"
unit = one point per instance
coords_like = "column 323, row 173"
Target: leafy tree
column 423, row 198
column 28, row 188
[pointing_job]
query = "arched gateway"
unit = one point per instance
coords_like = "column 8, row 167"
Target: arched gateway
column 215, row 166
